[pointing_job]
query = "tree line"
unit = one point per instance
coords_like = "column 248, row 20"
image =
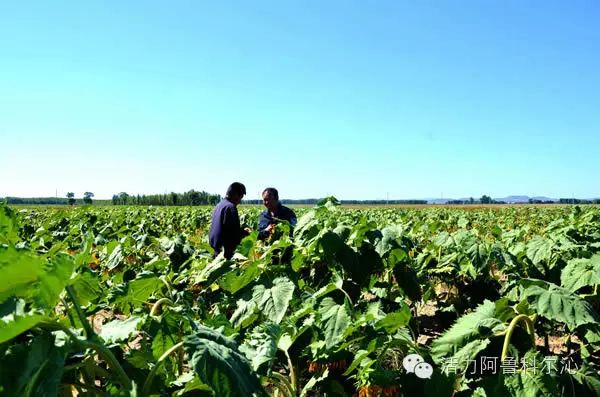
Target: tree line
column 194, row 197
column 314, row 201
column 485, row 199
column 68, row 200
column 191, row 197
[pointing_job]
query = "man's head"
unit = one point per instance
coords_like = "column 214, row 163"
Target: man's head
column 235, row 192
column 270, row 198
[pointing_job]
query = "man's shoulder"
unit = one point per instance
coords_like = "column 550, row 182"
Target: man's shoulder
column 287, row 210
column 225, row 204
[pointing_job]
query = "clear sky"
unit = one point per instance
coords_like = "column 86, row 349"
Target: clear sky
column 357, row 99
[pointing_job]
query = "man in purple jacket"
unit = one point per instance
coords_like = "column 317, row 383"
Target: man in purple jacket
column 225, row 230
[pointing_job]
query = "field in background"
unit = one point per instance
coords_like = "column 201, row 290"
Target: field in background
column 115, row 298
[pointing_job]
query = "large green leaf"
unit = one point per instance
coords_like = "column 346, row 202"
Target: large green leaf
column 34, row 369
column 33, row 278
column 53, row 280
column 404, row 274
column 15, row 324
column 260, row 346
column 212, row 270
column 335, row 319
column 120, row 330
column 245, row 314
column 238, row 278
column 20, row 271
column 135, row 293
column 531, row 384
column 369, row 263
column 390, row 240
column 86, row 286
column 480, row 324
column 581, row 273
column 539, row 249
column 588, row 380
column 274, row 300
column 217, row 361
column 467, row 353
column 164, row 331
column 115, row 258
column 9, row 231
column 557, row 303
column 392, row 322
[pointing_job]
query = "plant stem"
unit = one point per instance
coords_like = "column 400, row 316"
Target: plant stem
column 292, row 373
column 89, row 332
column 88, row 375
column 279, row 387
column 282, row 380
column 166, row 283
column 99, row 347
column 150, row 378
column 157, row 305
column 69, row 315
column 511, row 329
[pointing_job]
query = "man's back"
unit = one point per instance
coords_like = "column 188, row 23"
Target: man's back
column 225, row 228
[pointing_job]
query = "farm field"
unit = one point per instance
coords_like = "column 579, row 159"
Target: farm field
column 428, row 301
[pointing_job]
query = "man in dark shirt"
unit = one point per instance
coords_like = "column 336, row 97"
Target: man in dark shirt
column 225, row 230
column 274, row 213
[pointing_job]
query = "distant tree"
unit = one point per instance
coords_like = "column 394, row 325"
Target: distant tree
column 471, row 200
column 123, row 198
column 485, row 199
column 87, row 197
column 71, row 198
column 194, row 197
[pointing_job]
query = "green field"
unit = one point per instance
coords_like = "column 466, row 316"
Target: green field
column 128, row 301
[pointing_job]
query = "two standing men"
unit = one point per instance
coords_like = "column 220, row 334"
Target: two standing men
column 225, row 230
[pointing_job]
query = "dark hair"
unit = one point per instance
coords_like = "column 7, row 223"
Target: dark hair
column 237, row 189
column 272, row 191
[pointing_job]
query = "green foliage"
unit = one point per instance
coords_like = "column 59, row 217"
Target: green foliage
column 469, row 334
column 335, row 320
column 581, row 272
column 557, row 303
column 260, row 346
column 132, row 297
column 8, row 228
column 33, row 368
column 274, row 298
column 217, row 362
column 120, row 330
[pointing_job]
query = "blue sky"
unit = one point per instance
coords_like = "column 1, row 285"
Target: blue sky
column 358, row 99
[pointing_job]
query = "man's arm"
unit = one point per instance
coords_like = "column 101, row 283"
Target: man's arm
column 263, row 224
column 293, row 219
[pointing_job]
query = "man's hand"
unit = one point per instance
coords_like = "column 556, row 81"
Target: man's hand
column 270, row 229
